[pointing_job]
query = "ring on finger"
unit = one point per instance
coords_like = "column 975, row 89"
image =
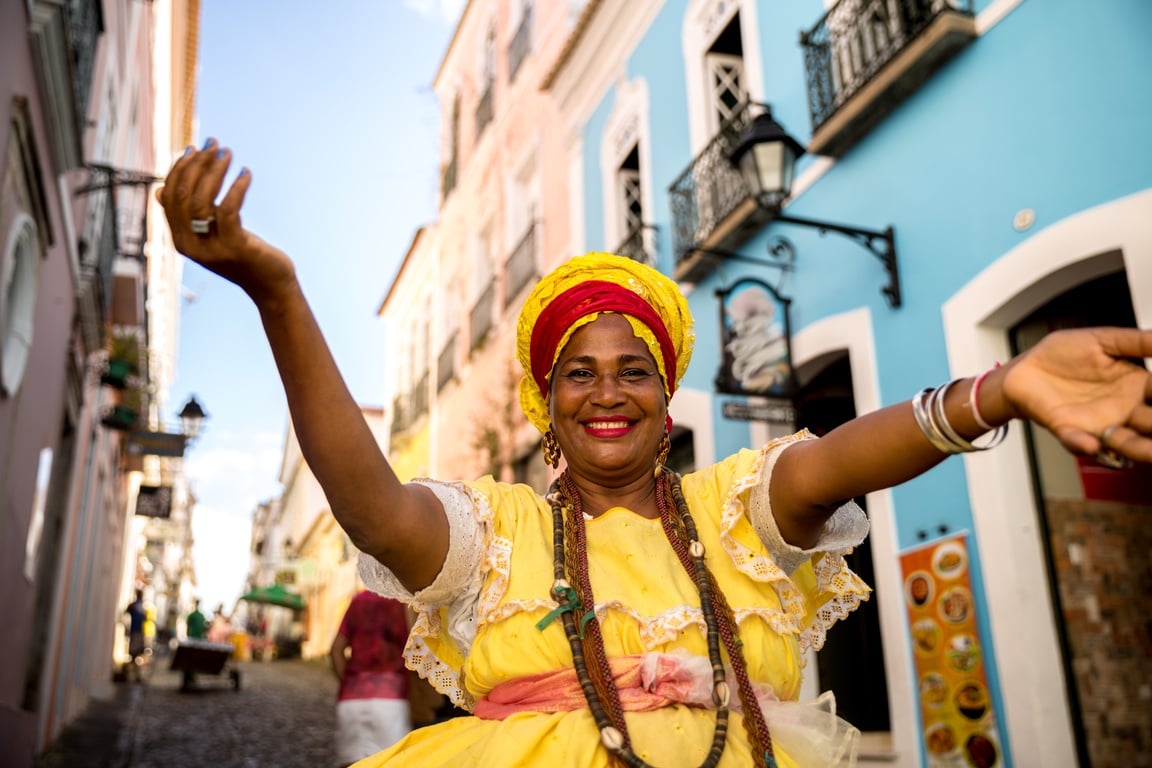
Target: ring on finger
column 1107, row 456
column 201, row 226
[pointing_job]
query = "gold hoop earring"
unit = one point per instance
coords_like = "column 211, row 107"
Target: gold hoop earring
column 551, row 448
column 662, row 454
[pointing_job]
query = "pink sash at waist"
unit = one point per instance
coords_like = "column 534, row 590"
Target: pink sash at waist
column 645, row 682
column 809, row 734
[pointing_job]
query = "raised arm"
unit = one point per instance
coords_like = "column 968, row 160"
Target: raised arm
column 402, row 526
column 1080, row 385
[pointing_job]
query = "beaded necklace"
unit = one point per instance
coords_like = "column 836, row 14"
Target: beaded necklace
column 570, row 559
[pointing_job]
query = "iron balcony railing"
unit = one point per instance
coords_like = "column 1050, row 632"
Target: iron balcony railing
column 710, row 188
column 410, row 406
column 446, row 364
column 86, row 22
column 855, row 39
column 521, row 44
column 521, row 265
column 637, row 245
column 448, row 179
column 420, row 397
column 481, row 318
column 484, row 110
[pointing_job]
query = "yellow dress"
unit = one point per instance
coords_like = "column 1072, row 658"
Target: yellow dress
column 645, row 601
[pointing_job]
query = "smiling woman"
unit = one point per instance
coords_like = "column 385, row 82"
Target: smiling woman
column 632, row 615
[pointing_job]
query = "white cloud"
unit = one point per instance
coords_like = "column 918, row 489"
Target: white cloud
column 228, row 476
column 446, row 10
column 221, row 555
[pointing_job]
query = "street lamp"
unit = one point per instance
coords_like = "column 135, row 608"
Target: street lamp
column 192, row 418
column 766, row 157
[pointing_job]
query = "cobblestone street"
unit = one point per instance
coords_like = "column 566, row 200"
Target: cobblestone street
column 283, row 715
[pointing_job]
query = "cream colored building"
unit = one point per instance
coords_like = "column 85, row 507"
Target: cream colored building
column 506, row 216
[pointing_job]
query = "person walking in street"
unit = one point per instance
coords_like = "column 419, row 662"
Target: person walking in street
column 631, row 615
column 197, row 622
column 372, row 710
column 137, row 615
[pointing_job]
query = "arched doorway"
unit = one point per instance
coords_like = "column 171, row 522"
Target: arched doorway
column 851, row 663
column 1093, row 523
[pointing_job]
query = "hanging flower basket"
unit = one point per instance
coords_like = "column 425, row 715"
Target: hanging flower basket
column 117, row 373
column 119, row 417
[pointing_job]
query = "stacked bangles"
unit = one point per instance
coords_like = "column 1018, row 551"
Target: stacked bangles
column 932, row 418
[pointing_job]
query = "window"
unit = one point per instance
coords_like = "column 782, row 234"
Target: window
column 724, row 63
column 484, row 107
column 521, row 44
column 19, row 280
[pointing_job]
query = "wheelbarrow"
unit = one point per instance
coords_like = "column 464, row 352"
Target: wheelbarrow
column 202, row 657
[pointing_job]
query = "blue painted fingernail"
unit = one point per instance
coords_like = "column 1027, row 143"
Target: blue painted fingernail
column 244, row 171
column 188, row 150
column 221, row 153
column 207, row 144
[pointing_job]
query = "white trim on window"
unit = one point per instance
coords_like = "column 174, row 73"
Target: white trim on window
column 19, row 285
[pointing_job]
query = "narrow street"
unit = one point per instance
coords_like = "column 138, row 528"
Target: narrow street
column 283, row 715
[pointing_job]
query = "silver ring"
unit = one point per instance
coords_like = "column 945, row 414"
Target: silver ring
column 201, row 226
column 1108, row 457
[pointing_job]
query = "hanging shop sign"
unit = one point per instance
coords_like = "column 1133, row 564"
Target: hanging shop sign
column 154, row 501
column 145, row 443
column 755, row 341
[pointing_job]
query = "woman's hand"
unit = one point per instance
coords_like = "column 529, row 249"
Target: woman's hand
column 222, row 245
column 1082, row 387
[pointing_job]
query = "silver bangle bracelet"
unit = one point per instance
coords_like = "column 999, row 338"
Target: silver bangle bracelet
column 932, row 418
column 921, row 409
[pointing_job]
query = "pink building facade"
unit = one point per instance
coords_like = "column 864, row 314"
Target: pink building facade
column 78, row 164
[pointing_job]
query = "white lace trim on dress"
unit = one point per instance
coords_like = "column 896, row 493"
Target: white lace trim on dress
column 456, row 587
column 847, row 528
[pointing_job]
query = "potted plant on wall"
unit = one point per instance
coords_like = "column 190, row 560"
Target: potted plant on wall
column 124, row 415
column 123, row 360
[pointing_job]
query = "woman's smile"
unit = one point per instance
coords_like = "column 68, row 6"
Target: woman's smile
column 607, row 400
column 607, row 430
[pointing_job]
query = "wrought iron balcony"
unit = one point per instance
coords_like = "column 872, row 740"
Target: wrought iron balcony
column 484, row 110
column 409, row 407
column 521, row 44
column 710, row 203
column 86, row 22
column 639, row 245
column 446, row 364
column 481, row 318
column 448, row 179
column 866, row 56
column 521, row 265
column 420, row 397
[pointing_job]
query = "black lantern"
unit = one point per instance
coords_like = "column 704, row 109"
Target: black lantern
column 192, row 418
column 766, row 158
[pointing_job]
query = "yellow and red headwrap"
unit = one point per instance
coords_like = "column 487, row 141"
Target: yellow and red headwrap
column 576, row 293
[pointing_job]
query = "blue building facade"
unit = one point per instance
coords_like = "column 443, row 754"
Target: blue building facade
column 1005, row 144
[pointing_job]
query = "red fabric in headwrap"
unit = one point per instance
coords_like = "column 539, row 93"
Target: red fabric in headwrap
column 582, row 300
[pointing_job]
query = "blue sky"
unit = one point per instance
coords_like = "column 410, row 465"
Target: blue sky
column 331, row 107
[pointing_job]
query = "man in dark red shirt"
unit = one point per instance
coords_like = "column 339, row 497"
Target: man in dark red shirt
column 367, row 657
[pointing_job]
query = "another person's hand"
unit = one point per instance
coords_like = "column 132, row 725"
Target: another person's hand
column 1082, row 387
column 211, row 233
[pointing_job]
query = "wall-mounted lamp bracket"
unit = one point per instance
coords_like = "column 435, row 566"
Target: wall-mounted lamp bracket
column 880, row 243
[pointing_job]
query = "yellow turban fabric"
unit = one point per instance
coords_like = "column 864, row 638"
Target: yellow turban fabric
column 576, row 293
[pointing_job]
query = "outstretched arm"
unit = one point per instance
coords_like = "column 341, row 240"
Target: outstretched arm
column 402, row 526
column 1079, row 385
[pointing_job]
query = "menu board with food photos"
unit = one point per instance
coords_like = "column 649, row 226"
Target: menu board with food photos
column 955, row 706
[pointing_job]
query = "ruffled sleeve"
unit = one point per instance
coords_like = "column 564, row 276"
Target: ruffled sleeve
column 815, row 586
column 445, row 610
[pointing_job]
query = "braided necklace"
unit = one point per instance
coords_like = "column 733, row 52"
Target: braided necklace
column 570, row 558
